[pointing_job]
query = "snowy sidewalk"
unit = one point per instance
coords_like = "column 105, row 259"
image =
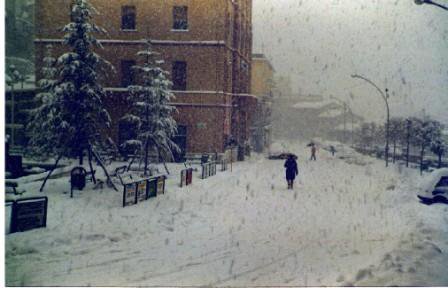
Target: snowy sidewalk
column 241, row 228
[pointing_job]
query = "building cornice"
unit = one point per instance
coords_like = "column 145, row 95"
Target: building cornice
column 209, row 92
column 154, row 42
column 140, row 42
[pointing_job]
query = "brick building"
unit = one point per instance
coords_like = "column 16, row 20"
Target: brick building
column 262, row 85
column 206, row 46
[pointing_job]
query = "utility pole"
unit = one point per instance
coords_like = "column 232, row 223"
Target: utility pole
column 345, row 122
column 408, row 138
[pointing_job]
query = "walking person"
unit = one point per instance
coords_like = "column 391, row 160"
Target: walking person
column 291, row 170
column 313, row 152
column 332, row 150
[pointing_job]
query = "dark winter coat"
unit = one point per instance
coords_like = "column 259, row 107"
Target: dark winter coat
column 291, row 169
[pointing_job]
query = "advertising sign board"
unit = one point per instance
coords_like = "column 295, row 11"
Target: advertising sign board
column 29, row 213
column 129, row 194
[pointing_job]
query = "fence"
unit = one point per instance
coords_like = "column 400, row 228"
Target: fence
column 208, row 169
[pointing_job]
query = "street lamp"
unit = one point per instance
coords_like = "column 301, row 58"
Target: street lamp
column 430, row 2
column 408, row 137
column 385, row 97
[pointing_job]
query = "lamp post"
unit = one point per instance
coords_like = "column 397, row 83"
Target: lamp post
column 430, row 2
column 385, row 97
column 408, row 137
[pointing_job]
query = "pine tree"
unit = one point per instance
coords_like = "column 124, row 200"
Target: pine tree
column 78, row 92
column 44, row 141
column 71, row 117
column 151, row 114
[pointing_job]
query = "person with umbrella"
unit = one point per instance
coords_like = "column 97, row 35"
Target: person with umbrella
column 313, row 151
column 291, row 170
column 332, row 150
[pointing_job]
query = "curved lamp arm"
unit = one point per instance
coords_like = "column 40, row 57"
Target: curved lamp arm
column 420, row 2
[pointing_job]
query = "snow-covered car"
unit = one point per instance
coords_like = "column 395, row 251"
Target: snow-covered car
column 281, row 155
column 435, row 187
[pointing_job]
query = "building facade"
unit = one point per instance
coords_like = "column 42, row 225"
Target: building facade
column 262, row 84
column 206, row 47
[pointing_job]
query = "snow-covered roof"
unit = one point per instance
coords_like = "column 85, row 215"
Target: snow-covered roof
column 331, row 113
column 313, row 104
column 348, row 126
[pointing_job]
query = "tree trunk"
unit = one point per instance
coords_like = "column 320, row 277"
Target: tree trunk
column 90, row 165
column 130, row 164
column 81, row 156
column 422, row 153
column 49, row 174
column 440, row 160
column 146, row 157
column 395, row 148
column 109, row 180
column 407, row 154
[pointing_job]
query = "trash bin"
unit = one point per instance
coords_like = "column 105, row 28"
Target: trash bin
column 78, row 178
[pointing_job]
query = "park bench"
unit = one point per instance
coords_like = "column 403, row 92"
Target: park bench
column 13, row 187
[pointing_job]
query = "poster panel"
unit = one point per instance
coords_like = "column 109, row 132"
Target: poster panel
column 129, row 194
column 30, row 213
column 183, row 178
column 142, row 195
column 152, row 188
column 161, row 185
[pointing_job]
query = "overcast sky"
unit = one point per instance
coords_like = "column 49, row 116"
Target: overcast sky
column 395, row 43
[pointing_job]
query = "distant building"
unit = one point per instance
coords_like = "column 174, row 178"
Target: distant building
column 19, row 99
column 263, row 88
column 206, row 46
column 317, row 117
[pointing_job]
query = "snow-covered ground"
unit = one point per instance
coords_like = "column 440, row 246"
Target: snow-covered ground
column 345, row 223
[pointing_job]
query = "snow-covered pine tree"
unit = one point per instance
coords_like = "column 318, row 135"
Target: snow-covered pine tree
column 47, row 134
column 151, row 113
column 72, row 113
column 78, row 91
column 44, row 137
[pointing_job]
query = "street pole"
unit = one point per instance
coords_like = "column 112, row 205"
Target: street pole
column 408, row 137
column 353, row 141
column 345, row 122
column 12, row 116
column 385, row 97
column 387, row 128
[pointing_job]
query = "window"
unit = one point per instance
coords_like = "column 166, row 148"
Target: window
column 180, row 18
column 128, row 18
column 179, row 75
column 127, row 73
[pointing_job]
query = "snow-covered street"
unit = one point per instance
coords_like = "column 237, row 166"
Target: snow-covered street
column 343, row 224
